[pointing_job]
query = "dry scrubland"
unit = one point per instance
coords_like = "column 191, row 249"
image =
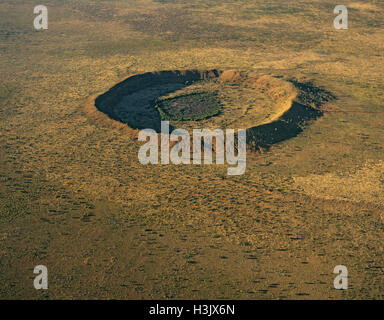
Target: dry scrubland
column 74, row 197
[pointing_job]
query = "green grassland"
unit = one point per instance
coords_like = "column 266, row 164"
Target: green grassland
column 74, row 197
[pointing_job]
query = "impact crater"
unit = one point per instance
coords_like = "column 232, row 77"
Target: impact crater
column 271, row 109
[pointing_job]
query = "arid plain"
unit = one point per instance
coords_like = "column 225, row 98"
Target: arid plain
column 74, row 197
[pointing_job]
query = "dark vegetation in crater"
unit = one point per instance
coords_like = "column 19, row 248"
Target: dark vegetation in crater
column 190, row 107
